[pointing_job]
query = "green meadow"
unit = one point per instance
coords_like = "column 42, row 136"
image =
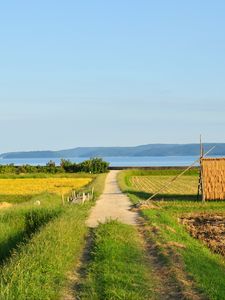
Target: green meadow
column 163, row 229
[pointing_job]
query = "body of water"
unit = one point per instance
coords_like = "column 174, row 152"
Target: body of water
column 117, row 161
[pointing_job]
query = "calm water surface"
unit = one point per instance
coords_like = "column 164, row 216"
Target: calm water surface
column 114, row 161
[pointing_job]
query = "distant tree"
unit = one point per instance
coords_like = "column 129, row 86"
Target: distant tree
column 95, row 165
column 51, row 167
column 67, row 165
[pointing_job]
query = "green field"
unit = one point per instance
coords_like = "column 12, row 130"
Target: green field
column 40, row 244
column 173, row 244
column 43, row 241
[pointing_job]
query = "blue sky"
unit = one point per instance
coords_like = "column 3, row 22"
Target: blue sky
column 111, row 73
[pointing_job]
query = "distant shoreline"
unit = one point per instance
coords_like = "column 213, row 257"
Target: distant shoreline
column 149, row 150
column 116, row 161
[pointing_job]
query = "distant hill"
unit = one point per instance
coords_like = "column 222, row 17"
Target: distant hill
column 30, row 154
column 144, row 150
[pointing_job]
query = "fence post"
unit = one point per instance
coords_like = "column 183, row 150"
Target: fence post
column 83, row 198
column 63, row 201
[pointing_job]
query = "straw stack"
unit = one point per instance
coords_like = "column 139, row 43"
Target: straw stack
column 213, row 172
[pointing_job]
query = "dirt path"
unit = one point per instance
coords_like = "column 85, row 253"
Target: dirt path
column 171, row 281
column 112, row 204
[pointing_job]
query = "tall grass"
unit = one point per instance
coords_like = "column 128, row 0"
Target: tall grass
column 98, row 185
column 16, row 221
column 38, row 269
column 11, row 231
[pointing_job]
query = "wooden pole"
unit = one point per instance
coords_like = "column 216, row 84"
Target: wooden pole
column 201, row 147
column 200, row 170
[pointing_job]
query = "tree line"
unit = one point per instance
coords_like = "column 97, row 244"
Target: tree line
column 93, row 165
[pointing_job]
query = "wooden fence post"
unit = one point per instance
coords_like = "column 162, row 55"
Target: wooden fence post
column 63, row 200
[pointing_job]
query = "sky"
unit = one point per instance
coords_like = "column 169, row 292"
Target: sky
column 111, row 73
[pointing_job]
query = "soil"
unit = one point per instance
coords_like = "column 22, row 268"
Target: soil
column 209, row 228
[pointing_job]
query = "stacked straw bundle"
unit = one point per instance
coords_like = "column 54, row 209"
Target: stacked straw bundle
column 213, row 173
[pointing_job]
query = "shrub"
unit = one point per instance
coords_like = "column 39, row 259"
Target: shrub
column 69, row 166
column 94, row 165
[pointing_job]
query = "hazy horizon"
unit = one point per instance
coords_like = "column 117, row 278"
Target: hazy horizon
column 110, row 146
column 121, row 73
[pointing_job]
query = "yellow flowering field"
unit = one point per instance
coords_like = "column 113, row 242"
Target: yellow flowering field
column 32, row 186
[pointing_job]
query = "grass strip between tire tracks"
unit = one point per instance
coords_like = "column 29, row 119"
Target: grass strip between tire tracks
column 118, row 267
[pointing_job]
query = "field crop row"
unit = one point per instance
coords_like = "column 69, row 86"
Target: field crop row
column 31, row 186
column 185, row 185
